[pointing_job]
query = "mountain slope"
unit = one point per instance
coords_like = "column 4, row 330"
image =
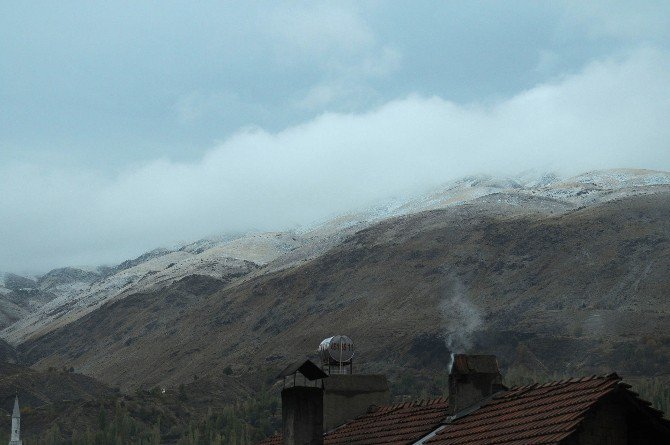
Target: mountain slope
column 67, row 294
column 19, row 297
column 76, row 298
column 532, row 278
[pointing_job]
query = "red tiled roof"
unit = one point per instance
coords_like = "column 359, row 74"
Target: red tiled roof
column 400, row 423
column 538, row 414
column 534, row 414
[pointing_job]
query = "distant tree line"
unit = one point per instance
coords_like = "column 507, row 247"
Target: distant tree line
column 243, row 423
column 247, row 422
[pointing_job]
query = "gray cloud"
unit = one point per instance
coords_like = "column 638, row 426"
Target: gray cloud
column 646, row 20
column 110, row 85
column 613, row 113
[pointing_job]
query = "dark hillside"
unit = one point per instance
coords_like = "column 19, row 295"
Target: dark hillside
column 59, row 406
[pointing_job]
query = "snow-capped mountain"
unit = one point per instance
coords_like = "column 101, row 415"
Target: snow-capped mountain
column 586, row 189
column 67, row 294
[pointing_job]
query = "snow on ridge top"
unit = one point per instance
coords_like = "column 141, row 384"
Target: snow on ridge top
column 201, row 245
column 259, row 248
column 3, row 289
column 78, row 299
column 587, row 188
column 618, row 178
column 452, row 193
column 535, row 180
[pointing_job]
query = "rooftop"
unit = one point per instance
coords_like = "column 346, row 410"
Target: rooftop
column 399, row 423
column 540, row 414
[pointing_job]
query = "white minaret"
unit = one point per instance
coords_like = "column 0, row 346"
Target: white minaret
column 16, row 424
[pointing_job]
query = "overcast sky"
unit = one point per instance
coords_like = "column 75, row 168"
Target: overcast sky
column 126, row 126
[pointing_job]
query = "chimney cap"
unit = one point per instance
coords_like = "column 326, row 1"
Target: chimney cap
column 306, row 368
column 468, row 364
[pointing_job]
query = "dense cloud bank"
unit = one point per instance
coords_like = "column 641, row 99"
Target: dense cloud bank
column 613, row 113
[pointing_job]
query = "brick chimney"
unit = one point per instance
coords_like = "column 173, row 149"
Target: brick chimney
column 302, row 415
column 472, row 379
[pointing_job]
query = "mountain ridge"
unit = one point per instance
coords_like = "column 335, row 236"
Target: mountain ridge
column 231, row 257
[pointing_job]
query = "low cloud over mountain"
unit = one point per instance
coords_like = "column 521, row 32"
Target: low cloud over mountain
column 610, row 114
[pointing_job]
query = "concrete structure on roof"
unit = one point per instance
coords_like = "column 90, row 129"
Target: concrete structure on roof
column 348, row 396
column 319, row 402
column 593, row 410
column 16, row 424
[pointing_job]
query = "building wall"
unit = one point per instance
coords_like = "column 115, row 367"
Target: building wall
column 605, row 425
column 346, row 397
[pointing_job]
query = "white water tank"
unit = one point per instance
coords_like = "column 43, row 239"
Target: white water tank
column 336, row 354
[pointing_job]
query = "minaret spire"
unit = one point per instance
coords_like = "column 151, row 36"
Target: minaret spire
column 16, row 424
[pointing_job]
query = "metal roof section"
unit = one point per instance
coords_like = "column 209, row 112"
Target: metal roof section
column 307, row 368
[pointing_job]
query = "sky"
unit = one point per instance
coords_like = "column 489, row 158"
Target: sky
column 126, row 126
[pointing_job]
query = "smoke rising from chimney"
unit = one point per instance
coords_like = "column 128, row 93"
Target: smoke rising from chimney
column 461, row 319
